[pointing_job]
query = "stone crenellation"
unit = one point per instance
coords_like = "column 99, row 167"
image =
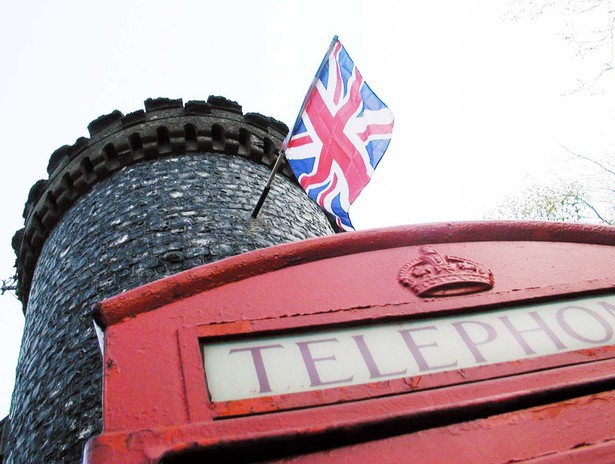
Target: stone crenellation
column 165, row 127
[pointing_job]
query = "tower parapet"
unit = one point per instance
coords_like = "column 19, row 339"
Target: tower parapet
column 166, row 127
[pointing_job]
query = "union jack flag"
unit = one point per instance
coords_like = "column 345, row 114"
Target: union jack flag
column 340, row 135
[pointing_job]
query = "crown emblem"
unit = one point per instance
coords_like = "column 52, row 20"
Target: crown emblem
column 434, row 274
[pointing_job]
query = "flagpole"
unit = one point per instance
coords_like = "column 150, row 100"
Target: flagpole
column 284, row 145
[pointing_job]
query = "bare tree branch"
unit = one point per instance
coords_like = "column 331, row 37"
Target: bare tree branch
column 598, row 215
column 591, row 160
column 588, row 40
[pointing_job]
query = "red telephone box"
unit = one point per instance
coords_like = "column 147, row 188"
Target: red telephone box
column 468, row 342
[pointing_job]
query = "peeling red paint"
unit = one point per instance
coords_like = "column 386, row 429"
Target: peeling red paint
column 412, row 382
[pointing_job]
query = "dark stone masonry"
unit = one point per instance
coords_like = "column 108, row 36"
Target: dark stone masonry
column 150, row 194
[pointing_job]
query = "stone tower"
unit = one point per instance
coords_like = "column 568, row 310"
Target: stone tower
column 149, row 194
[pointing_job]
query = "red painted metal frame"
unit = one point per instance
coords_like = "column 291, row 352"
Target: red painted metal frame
column 156, row 400
column 571, row 432
column 237, row 268
column 368, row 417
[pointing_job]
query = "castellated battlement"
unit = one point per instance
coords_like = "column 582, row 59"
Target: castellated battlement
column 166, row 127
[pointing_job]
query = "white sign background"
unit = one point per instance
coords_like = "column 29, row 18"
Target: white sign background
column 275, row 365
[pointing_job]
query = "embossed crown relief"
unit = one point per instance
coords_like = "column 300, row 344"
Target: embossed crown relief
column 434, row 274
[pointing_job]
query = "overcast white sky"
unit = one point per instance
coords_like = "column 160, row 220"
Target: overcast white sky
column 478, row 98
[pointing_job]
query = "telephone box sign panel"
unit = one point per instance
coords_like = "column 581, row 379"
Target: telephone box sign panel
column 315, row 360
